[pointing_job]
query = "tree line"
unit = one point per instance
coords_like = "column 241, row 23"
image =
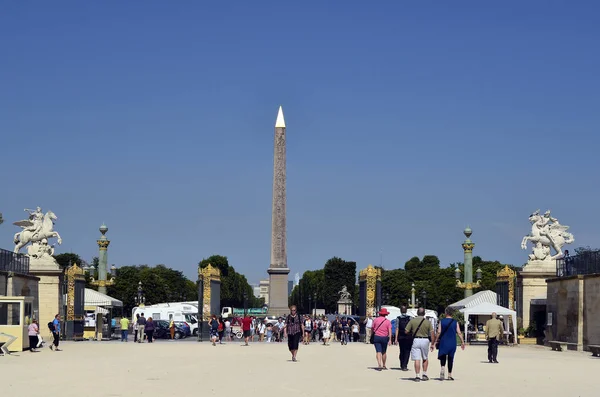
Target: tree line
column 435, row 286
column 163, row 284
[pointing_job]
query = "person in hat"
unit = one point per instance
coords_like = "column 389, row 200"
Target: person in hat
column 382, row 331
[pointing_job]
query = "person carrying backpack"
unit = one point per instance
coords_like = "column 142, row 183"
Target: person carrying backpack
column 403, row 339
column 54, row 327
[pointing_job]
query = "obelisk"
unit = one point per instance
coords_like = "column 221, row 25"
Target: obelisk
column 278, row 269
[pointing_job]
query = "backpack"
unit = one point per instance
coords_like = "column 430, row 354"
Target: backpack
column 51, row 326
column 220, row 327
column 401, row 323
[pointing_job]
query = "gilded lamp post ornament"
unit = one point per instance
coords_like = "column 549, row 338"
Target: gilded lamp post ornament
column 207, row 274
column 468, row 285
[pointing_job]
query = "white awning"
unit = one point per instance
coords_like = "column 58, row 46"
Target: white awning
column 489, row 308
column 95, row 298
column 486, row 296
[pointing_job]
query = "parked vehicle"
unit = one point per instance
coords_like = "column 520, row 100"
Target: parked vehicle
column 175, row 311
column 228, row 312
column 163, row 331
column 185, row 326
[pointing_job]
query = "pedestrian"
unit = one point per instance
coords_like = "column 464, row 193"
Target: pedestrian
column 135, row 327
column 403, row 339
column 214, row 329
column 262, row 328
column 149, row 329
column 269, row 332
column 33, row 331
column 124, row 329
column 355, row 331
column 172, row 328
column 382, row 335
column 421, row 331
column 368, row 328
column 494, row 332
column 221, row 330
column 247, row 329
column 141, row 321
column 294, row 329
column 326, row 328
column 227, row 330
column 280, row 327
column 445, row 339
column 307, row 330
column 55, row 333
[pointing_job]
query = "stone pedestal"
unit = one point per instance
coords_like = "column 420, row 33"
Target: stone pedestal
column 278, row 291
column 532, row 282
column 50, row 290
column 344, row 307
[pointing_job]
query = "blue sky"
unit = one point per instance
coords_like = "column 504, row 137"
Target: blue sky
column 407, row 121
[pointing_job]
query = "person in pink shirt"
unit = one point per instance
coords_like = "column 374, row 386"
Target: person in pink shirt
column 382, row 331
column 33, row 331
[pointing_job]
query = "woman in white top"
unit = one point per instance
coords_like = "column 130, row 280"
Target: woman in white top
column 261, row 332
column 326, row 328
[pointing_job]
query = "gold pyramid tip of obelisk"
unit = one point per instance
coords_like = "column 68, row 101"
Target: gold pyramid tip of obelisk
column 280, row 123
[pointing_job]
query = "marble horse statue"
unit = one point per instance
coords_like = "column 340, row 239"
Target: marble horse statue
column 546, row 233
column 37, row 228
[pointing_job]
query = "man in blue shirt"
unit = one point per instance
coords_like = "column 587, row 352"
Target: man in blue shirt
column 56, row 333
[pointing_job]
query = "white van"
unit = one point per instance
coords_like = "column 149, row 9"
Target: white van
column 176, row 312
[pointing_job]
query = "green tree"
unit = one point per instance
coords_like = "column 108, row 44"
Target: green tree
column 233, row 284
column 337, row 274
column 68, row 258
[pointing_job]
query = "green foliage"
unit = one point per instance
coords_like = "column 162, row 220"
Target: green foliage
column 160, row 284
column 68, row 258
column 233, row 284
column 337, row 274
column 459, row 317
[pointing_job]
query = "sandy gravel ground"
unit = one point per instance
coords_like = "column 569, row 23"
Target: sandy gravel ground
column 188, row 368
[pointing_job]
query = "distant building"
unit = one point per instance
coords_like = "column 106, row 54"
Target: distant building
column 290, row 287
column 256, row 290
column 264, row 290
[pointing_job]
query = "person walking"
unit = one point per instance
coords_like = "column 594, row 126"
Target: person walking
column 382, row 335
column 494, row 332
column 172, row 328
column 368, row 328
column 326, row 328
column 227, row 330
column 247, row 329
column 33, row 331
column 135, row 328
column 141, row 321
column 294, row 329
column 421, row 331
column 55, row 333
column 149, row 329
column 214, row 330
column 124, row 329
column 447, row 330
column 403, row 339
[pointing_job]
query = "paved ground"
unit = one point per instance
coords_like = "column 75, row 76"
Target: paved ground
column 93, row 369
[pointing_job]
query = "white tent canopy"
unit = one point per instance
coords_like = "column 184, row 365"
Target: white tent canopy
column 476, row 299
column 95, row 298
column 486, row 309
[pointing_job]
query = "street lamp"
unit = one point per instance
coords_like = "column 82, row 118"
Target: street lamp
column 310, row 304
column 140, row 299
column 412, row 295
column 245, row 303
column 113, row 271
column 424, row 294
column 315, row 300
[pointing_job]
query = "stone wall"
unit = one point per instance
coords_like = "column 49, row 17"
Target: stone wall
column 575, row 310
column 50, row 299
column 591, row 315
column 3, row 283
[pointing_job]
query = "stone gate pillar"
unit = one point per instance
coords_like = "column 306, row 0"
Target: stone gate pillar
column 369, row 290
column 209, row 298
column 74, row 318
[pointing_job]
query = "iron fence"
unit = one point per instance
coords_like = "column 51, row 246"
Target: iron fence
column 11, row 262
column 585, row 263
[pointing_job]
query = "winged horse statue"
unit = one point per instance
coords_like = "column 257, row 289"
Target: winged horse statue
column 35, row 229
column 546, row 233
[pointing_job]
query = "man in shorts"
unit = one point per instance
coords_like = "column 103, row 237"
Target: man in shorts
column 422, row 331
column 247, row 329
